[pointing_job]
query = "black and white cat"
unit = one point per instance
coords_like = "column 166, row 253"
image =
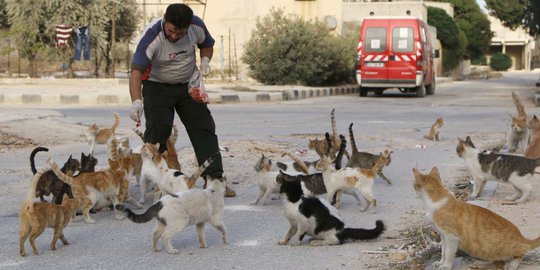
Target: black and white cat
column 486, row 165
column 177, row 211
column 317, row 218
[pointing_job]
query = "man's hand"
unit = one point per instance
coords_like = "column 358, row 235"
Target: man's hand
column 136, row 110
column 205, row 66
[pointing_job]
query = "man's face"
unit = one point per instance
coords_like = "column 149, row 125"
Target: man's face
column 172, row 33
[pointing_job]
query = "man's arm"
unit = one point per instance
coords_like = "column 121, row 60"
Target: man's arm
column 208, row 52
column 135, row 85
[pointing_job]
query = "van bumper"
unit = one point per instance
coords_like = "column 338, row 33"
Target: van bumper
column 387, row 83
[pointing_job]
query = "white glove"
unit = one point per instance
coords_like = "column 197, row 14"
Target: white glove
column 205, row 66
column 136, row 110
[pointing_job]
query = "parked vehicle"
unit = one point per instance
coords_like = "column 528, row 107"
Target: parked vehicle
column 395, row 52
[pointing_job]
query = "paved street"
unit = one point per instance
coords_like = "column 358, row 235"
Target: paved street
column 479, row 109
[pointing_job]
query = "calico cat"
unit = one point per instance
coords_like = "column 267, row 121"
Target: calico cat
column 533, row 149
column 150, row 170
column 348, row 178
column 435, row 131
column 96, row 135
column 367, row 160
column 177, row 211
column 478, row 231
column 100, row 189
column 486, row 165
column 35, row 217
column 49, row 182
column 265, row 178
column 317, row 218
column 518, row 134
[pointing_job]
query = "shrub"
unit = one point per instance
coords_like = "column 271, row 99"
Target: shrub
column 500, row 62
column 284, row 49
column 453, row 40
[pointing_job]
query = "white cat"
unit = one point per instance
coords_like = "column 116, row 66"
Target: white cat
column 266, row 179
column 175, row 212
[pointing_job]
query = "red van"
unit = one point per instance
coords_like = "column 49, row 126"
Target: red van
column 395, row 52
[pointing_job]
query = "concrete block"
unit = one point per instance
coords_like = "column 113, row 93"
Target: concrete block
column 31, row 99
column 230, row 98
column 537, row 100
column 262, row 97
column 1, row 98
column 108, row 99
column 69, row 99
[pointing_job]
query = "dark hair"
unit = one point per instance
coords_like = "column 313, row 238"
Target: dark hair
column 180, row 15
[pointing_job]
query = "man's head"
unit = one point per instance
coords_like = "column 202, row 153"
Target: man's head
column 178, row 17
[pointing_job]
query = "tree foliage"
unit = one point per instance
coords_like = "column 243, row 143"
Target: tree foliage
column 474, row 24
column 452, row 38
column 517, row 13
column 4, row 22
column 284, row 49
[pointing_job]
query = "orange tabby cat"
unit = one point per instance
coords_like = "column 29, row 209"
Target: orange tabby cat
column 35, row 217
column 476, row 230
column 533, row 149
column 96, row 135
column 435, row 131
column 517, row 137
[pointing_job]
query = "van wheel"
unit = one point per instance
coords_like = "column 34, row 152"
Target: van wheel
column 421, row 91
column 378, row 92
column 430, row 89
column 363, row 91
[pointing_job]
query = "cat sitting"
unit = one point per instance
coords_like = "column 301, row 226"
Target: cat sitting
column 317, row 218
column 533, row 149
column 367, row 160
column 266, row 179
column 177, row 211
column 49, row 183
column 486, row 165
column 35, row 217
column 435, row 131
column 96, row 135
column 477, row 231
column 518, row 134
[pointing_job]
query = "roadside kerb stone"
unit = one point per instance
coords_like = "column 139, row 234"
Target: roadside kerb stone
column 230, row 99
column 69, row 99
column 31, row 99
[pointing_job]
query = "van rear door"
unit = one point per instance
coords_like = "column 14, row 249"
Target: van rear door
column 402, row 64
column 375, row 53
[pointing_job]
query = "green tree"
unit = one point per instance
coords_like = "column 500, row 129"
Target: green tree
column 453, row 40
column 4, row 22
column 474, row 24
column 517, row 13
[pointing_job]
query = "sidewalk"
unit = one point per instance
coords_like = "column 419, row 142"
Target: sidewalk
column 92, row 92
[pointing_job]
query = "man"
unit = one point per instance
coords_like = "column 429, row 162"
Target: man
column 163, row 64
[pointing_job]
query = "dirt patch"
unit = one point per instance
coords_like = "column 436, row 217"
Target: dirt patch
column 10, row 141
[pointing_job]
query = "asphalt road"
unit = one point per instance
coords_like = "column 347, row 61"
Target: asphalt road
column 476, row 108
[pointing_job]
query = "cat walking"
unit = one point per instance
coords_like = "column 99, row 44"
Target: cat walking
column 479, row 232
column 96, row 135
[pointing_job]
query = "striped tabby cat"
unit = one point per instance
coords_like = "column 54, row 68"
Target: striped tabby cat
column 486, row 165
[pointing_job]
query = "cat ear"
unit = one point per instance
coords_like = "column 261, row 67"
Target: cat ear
column 469, row 141
column 434, row 171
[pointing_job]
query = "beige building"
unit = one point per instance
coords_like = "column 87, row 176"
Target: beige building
column 516, row 43
column 231, row 22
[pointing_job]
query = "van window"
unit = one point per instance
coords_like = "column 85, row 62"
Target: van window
column 375, row 39
column 423, row 35
column 402, row 39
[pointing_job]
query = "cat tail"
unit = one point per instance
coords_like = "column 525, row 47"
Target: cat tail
column 174, row 134
column 361, row 234
column 519, row 105
column 32, row 156
column 298, row 161
column 339, row 156
column 61, row 175
column 353, row 142
column 150, row 213
column 116, row 122
column 535, row 243
column 191, row 181
column 28, row 202
column 140, row 133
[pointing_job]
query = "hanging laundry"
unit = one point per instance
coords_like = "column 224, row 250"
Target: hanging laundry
column 83, row 43
column 63, row 32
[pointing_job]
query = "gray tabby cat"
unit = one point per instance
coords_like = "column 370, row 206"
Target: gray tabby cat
column 367, row 160
column 486, row 165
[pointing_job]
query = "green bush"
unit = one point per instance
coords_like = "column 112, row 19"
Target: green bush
column 500, row 62
column 482, row 61
column 453, row 40
column 284, row 49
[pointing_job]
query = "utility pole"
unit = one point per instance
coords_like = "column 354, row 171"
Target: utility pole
column 113, row 38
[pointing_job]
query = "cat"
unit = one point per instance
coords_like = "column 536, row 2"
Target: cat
column 150, row 170
column 88, row 164
column 317, row 218
column 266, row 179
column 177, row 211
column 435, row 131
column 49, row 182
column 96, row 135
column 100, row 189
column 477, row 231
column 533, row 148
column 518, row 134
column 367, row 160
column 173, row 181
column 321, row 146
column 35, row 217
column 486, row 165
column 347, row 178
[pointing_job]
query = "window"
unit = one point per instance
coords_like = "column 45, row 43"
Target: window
column 402, row 39
column 375, row 39
column 423, row 35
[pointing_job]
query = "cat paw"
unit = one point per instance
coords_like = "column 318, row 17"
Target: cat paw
column 436, row 264
column 282, row 242
column 23, row 254
column 173, row 251
column 511, row 198
column 119, row 217
column 90, row 221
column 53, row 247
column 296, row 243
column 156, row 249
column 253, row 203
column 316, row 243
column 203, row 246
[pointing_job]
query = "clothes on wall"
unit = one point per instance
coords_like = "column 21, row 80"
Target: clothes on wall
column 63, row 33
column 83, row 43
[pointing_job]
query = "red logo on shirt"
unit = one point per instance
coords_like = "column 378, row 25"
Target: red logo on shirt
column 172, row 56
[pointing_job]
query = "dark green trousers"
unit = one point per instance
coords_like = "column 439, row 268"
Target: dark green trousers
column 161, row 101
